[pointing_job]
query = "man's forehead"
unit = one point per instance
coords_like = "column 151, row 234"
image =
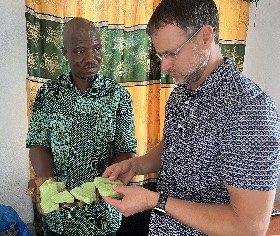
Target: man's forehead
column 82, row 35
column 79, row 26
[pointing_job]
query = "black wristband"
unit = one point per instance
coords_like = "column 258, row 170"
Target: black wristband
column 160, row 207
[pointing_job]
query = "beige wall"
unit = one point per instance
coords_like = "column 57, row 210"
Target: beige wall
column 262, row 56
column 14, row 172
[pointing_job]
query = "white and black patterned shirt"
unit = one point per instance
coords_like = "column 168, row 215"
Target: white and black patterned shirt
column 225, row 132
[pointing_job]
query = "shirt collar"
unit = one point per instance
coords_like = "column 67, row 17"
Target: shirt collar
column 213, row 80
column 93, row 90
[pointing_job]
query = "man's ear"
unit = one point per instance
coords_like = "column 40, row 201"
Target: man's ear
column 207, row 35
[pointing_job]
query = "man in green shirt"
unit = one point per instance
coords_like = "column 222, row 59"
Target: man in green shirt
column 80, row 124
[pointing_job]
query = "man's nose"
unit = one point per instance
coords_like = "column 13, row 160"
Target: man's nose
column 166, row 64
column 92, row 55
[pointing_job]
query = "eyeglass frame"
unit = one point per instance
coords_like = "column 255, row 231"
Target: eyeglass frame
column 173, row 55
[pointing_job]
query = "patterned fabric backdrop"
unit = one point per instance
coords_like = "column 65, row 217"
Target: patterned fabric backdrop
column 129, row 57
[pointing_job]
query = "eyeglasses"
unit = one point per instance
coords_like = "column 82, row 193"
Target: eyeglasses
column 173, row 55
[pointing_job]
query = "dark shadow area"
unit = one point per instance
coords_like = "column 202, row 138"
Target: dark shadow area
column 135, row 225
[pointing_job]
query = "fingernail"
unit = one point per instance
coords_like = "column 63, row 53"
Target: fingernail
column 30, row 191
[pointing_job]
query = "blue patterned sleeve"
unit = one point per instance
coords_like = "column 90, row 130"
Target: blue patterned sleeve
column 38, row 131
column 125, row 140
column 251, row 146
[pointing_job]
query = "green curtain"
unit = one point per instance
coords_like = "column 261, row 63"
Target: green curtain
column 125, row 54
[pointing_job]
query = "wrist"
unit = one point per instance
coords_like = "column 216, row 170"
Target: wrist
column 137, row 165
column 160, row 205
column 153, row 200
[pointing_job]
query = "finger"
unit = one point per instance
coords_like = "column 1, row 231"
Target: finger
column 97, row 199
column 68, row 204
column 38, row 199
column 81, row 203
column 120, row 189
column 125, row 180
column 113, row 202
column 112, row 172
column 39, row 209
column 30, row 191
column 40, row 180
column 98, row 196
column 31, row 184
column 108, row 172
column 31, row 187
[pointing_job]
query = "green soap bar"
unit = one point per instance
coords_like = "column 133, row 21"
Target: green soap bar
column 60, row 186
column 47, row 190
column 99, row 180
column 90, row 186
column 63, row 197
column 83, row 195
column 106, row 190
column 49, row 206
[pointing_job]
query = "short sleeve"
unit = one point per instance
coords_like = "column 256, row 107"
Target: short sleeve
column 38, row 131
column 251, row 155
column 125, row 132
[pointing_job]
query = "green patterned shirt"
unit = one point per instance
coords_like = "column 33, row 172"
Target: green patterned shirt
column 84, row 131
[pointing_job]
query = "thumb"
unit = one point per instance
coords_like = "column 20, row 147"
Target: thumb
column 120, row 189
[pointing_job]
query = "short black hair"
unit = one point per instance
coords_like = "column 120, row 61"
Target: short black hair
column 189, row 15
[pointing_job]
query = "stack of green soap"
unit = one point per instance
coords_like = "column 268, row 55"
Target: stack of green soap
column 85, row 193
column 105, row 189
column 50, row 190
column 47, row 190
column 53, row 193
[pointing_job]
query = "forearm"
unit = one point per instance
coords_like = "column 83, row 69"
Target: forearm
column 121, row 157
column 150, row 162
column 247, row 214
column 214, row 219
column 42, row 161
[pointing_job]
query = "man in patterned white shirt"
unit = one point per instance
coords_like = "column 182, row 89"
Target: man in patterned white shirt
column 219, row 159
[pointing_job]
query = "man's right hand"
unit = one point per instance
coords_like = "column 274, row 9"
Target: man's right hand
column 33, row 189
column 124, row 170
